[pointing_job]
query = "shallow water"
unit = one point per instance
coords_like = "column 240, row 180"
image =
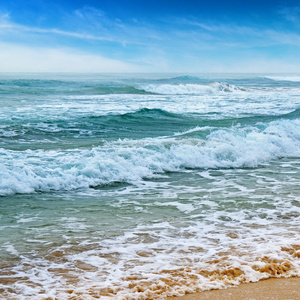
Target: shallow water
column 146, row 186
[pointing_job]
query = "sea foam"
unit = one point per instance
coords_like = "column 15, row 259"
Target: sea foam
column 182, row 89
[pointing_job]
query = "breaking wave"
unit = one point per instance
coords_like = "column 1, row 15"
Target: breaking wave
column 133, row 160
column 182, row 89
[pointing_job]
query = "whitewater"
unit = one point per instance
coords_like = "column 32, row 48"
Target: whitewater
column 144, row 186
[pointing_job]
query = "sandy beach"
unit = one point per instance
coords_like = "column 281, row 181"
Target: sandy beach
column 273, row 288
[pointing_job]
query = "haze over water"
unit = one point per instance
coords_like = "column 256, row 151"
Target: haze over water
column 144, row 186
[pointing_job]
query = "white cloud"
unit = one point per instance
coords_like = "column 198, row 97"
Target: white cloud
column 16, row 58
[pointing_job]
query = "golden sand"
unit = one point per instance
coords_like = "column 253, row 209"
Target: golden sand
column 270, row 289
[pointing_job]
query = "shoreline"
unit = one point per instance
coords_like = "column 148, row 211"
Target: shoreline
column 271, row 288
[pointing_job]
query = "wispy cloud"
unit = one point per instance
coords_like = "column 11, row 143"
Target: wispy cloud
column 7, row 26
column 91, row 25
column 129, row 31
column 233, row 35
column 290, row 13
column 216, row 27
column 16, row 58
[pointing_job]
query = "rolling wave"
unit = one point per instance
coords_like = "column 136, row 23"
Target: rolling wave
column 131, row 161
column 142, row 123
column 106, row 90
column 36, row 86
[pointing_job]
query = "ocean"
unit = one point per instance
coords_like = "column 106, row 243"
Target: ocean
column 144, row 186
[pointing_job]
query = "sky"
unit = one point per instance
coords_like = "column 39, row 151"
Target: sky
column 186, row 36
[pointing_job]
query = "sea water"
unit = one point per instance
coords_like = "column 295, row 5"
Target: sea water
column 143, row 186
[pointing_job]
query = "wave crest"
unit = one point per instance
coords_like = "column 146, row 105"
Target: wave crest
column 284, row 78
column 189, row 88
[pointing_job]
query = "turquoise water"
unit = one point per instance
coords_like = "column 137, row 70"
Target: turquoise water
column 139, row 186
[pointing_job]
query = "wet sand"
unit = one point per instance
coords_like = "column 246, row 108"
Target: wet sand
column 275, row 289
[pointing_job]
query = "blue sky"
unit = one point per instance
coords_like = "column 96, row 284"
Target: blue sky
column 150, row 36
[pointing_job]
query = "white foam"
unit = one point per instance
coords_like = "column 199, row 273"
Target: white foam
column 184, row 207
column 27, row 220
column 196, row 129
column 182, row 89
column 8, row 133
column 10, row 248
